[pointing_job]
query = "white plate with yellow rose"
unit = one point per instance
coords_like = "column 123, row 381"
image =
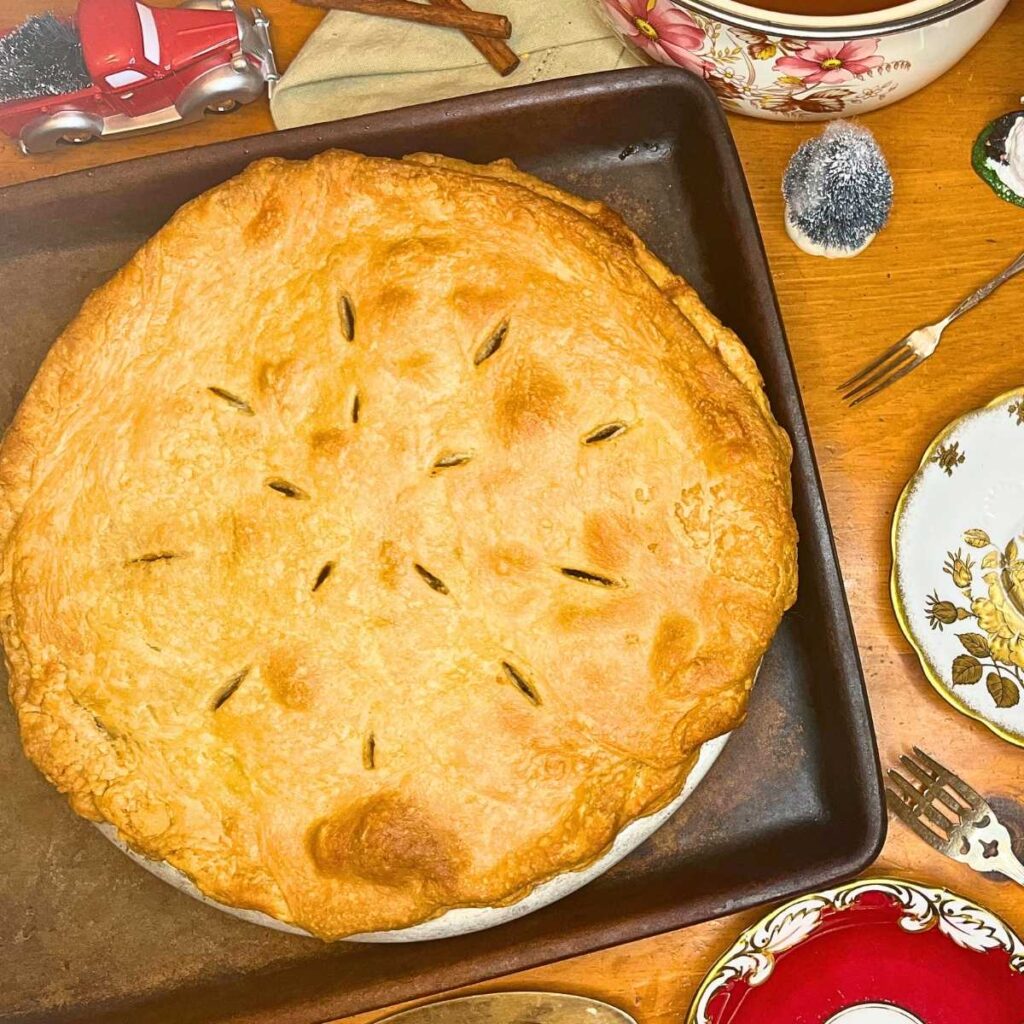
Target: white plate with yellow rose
column 958, row 564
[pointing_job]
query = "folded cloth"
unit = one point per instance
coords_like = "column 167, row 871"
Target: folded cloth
column 357, row 63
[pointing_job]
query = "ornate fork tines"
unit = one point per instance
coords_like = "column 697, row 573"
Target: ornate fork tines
column 873, row 365
column 963, row 826
column 922, row 803
column 935, row 785
column 969, row 796
column 906, row 355
column 891, row 360
column 910, row 352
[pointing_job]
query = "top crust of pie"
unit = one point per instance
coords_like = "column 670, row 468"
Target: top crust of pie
column 384, row 537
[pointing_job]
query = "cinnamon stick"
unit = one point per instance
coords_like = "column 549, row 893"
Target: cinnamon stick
column 497, row 53
column 480, row 23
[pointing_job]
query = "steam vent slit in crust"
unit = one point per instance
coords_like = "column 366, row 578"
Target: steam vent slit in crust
column 412, row 567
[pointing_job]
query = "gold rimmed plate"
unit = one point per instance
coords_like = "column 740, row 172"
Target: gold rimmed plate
column 874, row 951
column 958, row 564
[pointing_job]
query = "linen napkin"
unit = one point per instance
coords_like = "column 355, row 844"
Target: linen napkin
column 357, row 63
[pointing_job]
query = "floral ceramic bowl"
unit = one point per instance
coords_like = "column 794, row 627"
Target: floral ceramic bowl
column 800, row 68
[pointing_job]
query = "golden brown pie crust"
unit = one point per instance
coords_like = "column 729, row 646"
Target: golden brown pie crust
column 384, row 537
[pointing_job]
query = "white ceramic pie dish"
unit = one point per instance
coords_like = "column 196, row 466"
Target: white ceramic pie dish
column 463, row 920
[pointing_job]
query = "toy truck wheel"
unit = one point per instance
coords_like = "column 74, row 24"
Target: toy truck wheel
column 220, row 90
column 69, row 127
column 227, row 106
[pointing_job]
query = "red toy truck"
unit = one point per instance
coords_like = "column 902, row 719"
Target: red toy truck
column 149, row 67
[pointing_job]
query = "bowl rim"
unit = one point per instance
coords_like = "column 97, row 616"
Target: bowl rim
column 881, row 23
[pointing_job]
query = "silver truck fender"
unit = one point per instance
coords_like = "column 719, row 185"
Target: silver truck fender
column 220, row 89
column 49, row 130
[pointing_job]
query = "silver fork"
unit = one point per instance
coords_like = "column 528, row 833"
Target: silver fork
column 909, row 353
column 950, row 816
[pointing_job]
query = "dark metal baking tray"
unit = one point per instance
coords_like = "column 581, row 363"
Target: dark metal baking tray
column 793, row 803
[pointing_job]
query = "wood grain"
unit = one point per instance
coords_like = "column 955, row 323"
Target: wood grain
column 948, row 234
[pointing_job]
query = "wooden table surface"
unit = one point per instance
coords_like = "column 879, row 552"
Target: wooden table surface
column 947, row 235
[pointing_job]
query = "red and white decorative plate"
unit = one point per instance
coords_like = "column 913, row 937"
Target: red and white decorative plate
column 879, row 951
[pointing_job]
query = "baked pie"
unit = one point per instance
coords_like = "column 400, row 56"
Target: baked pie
column 384, row 537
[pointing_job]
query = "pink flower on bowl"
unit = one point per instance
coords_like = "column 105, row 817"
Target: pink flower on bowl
column 828, row 62
column 667, row 33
